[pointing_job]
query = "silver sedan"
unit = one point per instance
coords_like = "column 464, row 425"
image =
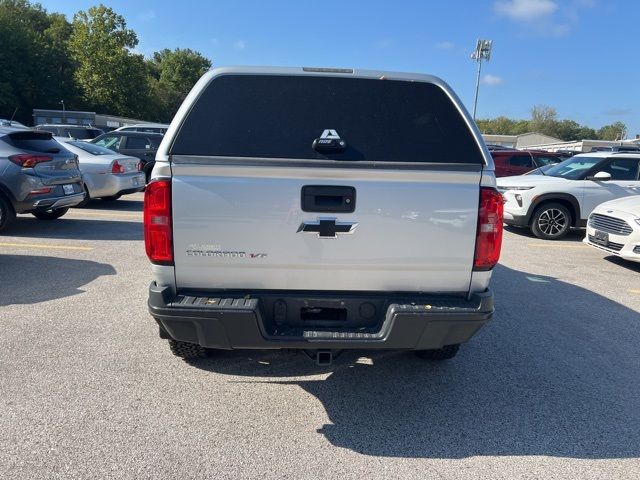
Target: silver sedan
column 107, row 175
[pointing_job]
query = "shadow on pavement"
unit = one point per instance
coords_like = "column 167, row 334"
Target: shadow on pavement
column 121, row 205
column 555, row 373
column 633, row 266
column 76, row 229
column 574, row 235
column 29, row 279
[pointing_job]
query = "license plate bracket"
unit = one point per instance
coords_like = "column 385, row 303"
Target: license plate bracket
column 601, row 238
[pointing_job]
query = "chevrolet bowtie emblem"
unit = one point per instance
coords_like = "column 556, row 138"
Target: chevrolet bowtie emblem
column 327, row 227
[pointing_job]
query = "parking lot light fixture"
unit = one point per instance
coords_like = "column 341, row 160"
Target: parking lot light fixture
column 482, row 52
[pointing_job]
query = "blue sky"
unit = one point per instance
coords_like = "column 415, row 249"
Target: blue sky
column 579, row 56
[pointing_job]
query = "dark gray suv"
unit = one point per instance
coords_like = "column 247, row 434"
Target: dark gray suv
column 37, row 175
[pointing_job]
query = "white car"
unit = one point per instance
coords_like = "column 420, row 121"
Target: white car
column 615, row 228
column 107, row 175
column 564, row 196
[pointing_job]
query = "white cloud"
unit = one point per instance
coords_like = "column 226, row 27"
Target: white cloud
column 445, row 45
column 543, row 17
column 492, row 80
column 525, row 9
column 240, row 45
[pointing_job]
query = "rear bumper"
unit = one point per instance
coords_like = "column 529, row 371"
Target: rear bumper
column 239, row 322
column 516, row 220
column 49, row 203
column 109, row 185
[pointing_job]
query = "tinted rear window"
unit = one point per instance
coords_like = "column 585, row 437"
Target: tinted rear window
column 281, row 116
column 83, row 133
column 34, row 141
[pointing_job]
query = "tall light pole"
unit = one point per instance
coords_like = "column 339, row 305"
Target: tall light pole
column 63, row 112
column 482, row 52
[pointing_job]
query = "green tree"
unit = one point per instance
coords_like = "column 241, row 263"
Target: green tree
column 615, row 131
column 173, row 74
column 35, row 68
column 112, row 78
column 544, row 120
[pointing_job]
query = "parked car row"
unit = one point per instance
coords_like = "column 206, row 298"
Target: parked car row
column 134, row 144
column 599, row 191
column 46, row 175
column 510, row 162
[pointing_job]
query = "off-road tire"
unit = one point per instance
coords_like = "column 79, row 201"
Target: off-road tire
column 50, row 214
column 7, row 213
column 187, row 350
column 445, row 353
column 551, row 221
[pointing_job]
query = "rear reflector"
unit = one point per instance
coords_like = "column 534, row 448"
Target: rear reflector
column 29, row 160
column 489, row 234
column 158, row 228
column 41, row 191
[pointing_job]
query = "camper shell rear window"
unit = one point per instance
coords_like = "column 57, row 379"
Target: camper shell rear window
column 279, row 117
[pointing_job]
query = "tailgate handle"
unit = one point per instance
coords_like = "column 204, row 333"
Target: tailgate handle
column 328, row 198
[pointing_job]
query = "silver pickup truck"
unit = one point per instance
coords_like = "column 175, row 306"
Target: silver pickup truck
column 321, row 210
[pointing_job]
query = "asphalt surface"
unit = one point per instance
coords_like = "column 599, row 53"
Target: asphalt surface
column 550, row 389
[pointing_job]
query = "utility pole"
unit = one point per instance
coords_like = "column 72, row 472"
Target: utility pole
column 482, row 52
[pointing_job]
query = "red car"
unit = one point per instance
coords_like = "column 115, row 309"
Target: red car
column 518, row 162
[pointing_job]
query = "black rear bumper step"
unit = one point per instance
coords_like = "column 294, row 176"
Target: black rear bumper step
column 218, row 320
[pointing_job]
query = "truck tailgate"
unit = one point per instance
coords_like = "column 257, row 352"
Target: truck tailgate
column 241, row 227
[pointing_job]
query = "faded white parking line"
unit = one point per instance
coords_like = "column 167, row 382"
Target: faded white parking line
column 43, row 246
column 103, row 214
column 545, row 245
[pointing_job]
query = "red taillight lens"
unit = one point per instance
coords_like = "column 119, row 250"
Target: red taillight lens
column 28, row 160
column 117, row 168
column 158, row 228
column 489, row 234
column 41, row 191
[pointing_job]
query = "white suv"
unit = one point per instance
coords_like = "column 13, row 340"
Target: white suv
column 564, row 196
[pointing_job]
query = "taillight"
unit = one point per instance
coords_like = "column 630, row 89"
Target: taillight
column 41, row 191
column 158, row 230
column 117, row 168
column 29, row 160
column 139, row 166
column 489, row 233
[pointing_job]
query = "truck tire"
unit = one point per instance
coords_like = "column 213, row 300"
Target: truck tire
column 50, row 214
column 7, row 213
column 551, row 221
column 187, row 350
column 445, row 353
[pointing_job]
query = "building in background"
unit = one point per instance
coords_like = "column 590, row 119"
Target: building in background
column 525, row 140
column 538, row 141
column 72, row 117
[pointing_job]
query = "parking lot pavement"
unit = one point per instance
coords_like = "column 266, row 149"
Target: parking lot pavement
column 550, row 389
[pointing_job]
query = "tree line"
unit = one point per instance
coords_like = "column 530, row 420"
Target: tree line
column 544, row 119
column 90, row 63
